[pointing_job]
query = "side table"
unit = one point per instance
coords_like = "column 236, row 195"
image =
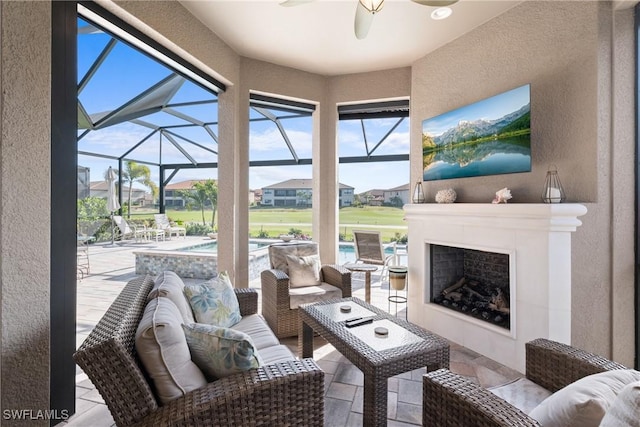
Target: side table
column 367, row 269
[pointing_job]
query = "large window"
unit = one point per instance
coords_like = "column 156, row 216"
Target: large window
column 280, row 173
column 373, row 144
column 154, row 124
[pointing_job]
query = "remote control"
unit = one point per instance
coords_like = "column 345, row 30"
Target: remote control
column 357, row 322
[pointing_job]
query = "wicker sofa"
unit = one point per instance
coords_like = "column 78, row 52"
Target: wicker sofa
column 283, row 393
column 452, row 400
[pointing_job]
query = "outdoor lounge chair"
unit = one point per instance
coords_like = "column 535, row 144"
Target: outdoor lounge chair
column 163, row 223
column 369, row 250
column 129, row 231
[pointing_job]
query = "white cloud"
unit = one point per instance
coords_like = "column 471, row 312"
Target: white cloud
column 271, row 140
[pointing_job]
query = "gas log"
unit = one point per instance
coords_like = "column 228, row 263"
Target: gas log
column 478, row 300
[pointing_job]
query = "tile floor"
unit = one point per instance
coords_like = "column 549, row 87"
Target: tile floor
column 113, row 267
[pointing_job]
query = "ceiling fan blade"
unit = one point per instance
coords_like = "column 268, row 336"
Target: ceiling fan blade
column 435, row 3
column 362, row 22
column 289, row 3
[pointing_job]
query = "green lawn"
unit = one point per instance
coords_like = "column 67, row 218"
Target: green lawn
column 275, row 221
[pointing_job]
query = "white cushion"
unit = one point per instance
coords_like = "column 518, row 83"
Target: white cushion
column 220, row 352
column 214, row 302
column 303, row 270
column 255, row 326
column 584, row 402
column 274, row 354
column 522, row 393
column 309, row 294
column 625, row 410
column 168, row 284
column 163, row 350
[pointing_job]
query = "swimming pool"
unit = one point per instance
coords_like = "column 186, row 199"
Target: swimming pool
column 201, row 261
column 346, row 251
column 212, row 247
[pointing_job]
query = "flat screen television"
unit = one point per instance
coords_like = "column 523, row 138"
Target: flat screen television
column 488, row 137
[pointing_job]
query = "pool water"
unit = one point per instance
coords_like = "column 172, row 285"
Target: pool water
column 346, row 251
column 213, row 247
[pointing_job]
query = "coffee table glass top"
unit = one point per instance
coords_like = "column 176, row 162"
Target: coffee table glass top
column 397, row 336
column 332, row 311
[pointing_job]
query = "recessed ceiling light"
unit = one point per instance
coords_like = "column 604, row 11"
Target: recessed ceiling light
column 441, row 13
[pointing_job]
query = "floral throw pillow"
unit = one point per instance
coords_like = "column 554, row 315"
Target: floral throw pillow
column 214, row 302
column 220, row 352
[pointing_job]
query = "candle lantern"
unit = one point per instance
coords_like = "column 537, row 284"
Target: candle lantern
column 418, row 194
column 553, row 191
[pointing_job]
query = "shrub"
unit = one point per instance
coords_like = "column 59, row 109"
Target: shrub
column 400, row 238
column 262, row 234
column 196, row 229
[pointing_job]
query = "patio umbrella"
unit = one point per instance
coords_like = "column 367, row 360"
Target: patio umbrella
column 112, row 198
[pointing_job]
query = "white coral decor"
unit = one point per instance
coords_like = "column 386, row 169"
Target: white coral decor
column 446, row 196
column 502, row 196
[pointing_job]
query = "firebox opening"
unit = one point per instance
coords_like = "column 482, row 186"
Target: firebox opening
column 472, row 282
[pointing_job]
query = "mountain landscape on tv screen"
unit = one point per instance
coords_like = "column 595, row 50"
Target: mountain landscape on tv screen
column 512, row 124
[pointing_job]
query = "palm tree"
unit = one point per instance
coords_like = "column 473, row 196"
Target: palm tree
column 209, row 189
column 133, row 172
column 196, row 197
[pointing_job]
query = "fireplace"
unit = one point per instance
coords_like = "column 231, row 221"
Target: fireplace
column 531, row 244
column 473, row 282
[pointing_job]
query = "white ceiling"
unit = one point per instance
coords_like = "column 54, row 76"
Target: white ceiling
column 318, row 37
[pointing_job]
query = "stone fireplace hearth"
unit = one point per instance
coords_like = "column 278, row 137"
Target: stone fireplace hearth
column 537, row 240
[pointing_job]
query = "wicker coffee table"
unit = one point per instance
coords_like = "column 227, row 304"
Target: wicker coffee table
column 405, row 348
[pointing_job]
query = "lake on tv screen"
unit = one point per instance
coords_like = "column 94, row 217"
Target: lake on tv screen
column 496, row 157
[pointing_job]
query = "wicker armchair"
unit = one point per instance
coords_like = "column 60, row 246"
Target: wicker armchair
column 451, row 400
column 285, row 393
column 276, row 306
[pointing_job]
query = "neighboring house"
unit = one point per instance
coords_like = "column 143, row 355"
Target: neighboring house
column 173, row 197
column 172, row 192
column 373, row 197
column 397, row 196
column 392, row 195
column 299, row 192
column 139, row 196
column 255, row 196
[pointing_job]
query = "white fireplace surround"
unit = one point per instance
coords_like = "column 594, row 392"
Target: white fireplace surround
column 537, row 238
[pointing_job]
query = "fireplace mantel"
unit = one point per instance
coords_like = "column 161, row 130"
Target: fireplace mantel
column 541, row 216
column 537, row 237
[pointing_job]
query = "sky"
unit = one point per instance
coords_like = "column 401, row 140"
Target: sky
column 126, row 73
column 490, row 108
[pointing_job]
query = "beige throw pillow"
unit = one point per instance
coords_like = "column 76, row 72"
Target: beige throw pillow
column 168, row 284
column 163, row 350
column 625, row 410
column 584, row 402
column 303, row 270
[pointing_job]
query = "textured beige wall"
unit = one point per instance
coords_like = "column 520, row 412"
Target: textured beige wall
column 552, row 46
column 25, row 56
column 563, row 49
column 622, row 186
